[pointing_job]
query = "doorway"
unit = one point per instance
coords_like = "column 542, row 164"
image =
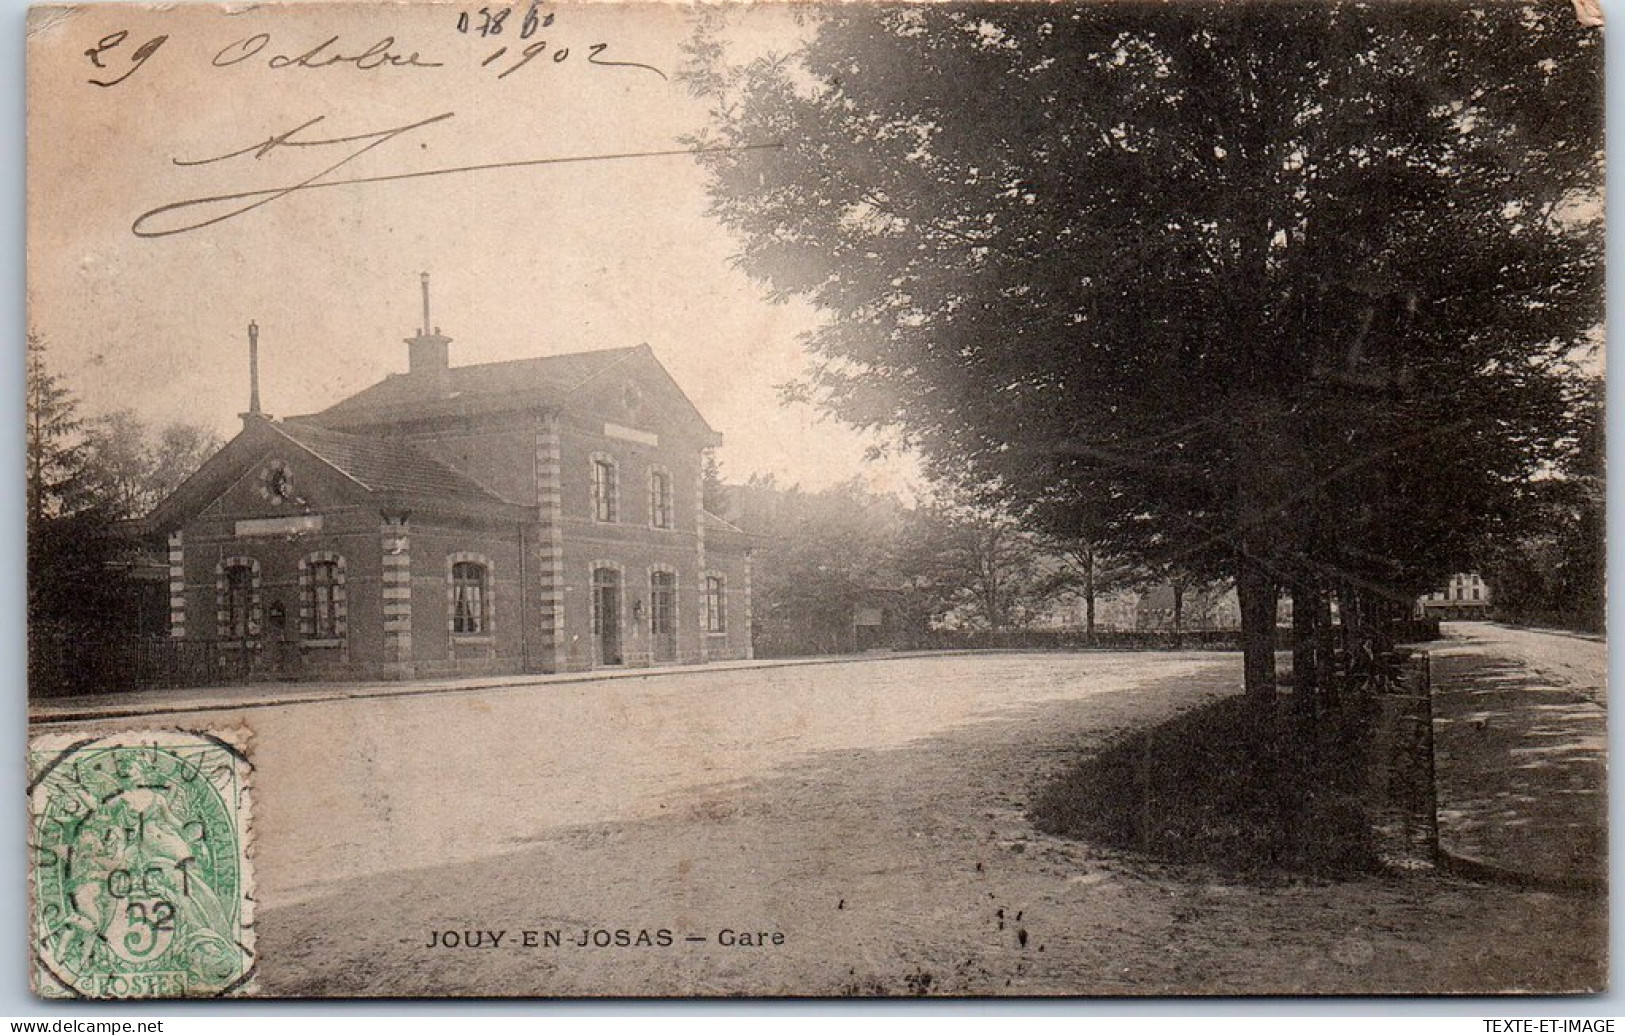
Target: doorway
column 663, row 615
column 606, row 616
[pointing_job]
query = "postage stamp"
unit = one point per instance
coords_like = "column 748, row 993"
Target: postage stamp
column 139, row 864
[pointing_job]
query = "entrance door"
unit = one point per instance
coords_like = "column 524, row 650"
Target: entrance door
column 606, row 615
column 663, row 615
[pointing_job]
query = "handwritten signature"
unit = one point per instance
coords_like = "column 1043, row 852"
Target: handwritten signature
column 179, row 217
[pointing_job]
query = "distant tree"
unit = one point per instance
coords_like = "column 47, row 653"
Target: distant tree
column 713, row 491
column 1273, row 292
column 820, row 557
column 1088, row 575
column 177, row 453
column 979, row 565
column 129, row 467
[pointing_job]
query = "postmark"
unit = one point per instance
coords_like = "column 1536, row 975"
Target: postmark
column 139, row 864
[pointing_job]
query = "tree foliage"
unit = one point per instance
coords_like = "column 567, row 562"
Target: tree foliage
column 980, row 567
column 1553, row 571
column 822, row 557
column 131, row 466
column 54, row 446
column 819, row 557
column 1285, row 292
column 86, row 477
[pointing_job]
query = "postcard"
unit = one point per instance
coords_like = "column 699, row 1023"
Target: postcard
column 822, row 500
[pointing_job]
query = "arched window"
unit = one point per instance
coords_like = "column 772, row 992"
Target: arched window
column 605, row 491
column 470, row 598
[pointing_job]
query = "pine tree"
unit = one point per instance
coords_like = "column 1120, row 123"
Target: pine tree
column 55, row 445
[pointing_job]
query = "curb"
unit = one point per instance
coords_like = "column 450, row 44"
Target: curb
column 1477, row 869
column 372, row 691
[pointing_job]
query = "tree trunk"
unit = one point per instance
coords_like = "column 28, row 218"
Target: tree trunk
column 1305, row 672
column 1256, row 592
column 1325, row 648
column 1089, row 598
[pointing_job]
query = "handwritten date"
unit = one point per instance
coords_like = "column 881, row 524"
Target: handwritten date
column 116, row 57
column 322, row 55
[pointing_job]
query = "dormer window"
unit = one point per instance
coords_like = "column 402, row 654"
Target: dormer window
column 604, row 490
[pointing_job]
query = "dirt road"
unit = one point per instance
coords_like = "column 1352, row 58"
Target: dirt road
column 1521, row 735
column 863, row 823
column 1564, row 660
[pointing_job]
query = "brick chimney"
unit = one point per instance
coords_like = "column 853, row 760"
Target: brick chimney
column 428, row 355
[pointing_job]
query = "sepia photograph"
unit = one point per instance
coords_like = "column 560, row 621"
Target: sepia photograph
column 1016, row 498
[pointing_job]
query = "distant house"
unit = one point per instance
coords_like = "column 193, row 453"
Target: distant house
column 1464, row 596
column 1195, row 609
column 540, row 515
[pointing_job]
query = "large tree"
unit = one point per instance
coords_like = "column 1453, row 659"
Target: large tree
column 54, row 444
column 1273, row 291
column 85, row 478
column 75, row 591
column 1553, row 570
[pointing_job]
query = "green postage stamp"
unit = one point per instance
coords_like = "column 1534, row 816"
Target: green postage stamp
column 139, row 864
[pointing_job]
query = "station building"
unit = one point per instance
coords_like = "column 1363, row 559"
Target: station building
column 538, row 515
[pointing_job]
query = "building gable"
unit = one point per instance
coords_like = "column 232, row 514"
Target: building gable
column 273, row 469
column 284, row 483
column 638, row 395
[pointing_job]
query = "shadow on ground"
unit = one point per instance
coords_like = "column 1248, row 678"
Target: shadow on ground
column 1230, row 786
column 1522, row 770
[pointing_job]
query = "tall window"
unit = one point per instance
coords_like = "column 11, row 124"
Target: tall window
column 716, row 601
column 469, row 598
column 603, row 490
column 322, row 598
column 239, row 601
column 659, row 499
column 662, row 603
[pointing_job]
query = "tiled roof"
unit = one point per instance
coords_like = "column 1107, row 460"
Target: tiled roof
column 541, row 375
column 385, row 464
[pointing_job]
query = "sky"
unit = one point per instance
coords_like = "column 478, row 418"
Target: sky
column 524, row 261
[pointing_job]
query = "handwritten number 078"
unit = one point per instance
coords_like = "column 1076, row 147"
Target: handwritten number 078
column 491, row 21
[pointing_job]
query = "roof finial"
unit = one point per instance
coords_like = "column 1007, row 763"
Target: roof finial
column 427, row 326
column 253, row 368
